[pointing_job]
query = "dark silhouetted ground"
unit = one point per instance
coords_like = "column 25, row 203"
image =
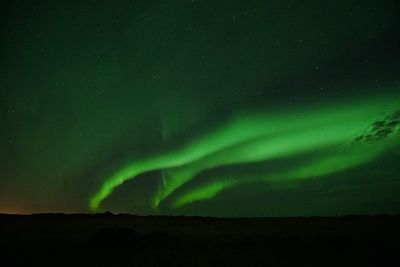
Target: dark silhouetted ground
column 127, row 240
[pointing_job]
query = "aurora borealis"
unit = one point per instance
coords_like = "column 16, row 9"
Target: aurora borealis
column 215, row 108
column 259, row 138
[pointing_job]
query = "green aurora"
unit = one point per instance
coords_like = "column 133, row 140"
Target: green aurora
column 260, row 137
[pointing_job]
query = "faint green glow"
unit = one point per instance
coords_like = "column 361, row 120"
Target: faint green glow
column 258, row 137
column 337, row 162
column 208, row 191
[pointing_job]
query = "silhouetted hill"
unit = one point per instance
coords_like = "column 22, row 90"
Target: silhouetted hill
column 113, row 240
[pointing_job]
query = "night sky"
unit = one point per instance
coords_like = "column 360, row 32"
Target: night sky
column 214, row 108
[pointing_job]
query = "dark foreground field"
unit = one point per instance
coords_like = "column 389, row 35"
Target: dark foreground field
column 115, row 240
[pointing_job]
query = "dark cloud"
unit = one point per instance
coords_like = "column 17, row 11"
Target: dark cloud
column 381, row 129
